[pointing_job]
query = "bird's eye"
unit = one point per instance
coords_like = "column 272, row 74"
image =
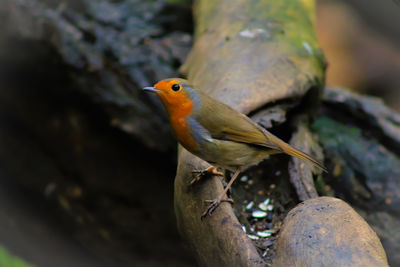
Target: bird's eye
column 176, row 87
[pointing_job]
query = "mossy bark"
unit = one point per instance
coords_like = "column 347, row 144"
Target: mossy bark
column 254, row 55
column 247, row 54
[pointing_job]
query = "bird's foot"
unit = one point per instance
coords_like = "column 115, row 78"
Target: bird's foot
column 201, row 173
column 214, row 204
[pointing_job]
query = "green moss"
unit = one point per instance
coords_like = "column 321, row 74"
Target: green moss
column 288, row 24
column 362, row 166
column 332, row 133
column 9, row 260
column 179, row 2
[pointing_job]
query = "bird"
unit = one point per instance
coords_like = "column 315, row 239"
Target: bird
column 217, row 133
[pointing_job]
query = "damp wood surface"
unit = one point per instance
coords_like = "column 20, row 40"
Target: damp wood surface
column 248, row 55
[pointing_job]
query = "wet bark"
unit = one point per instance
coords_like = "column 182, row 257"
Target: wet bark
column 90, row 158
column 111, row 51
column 360, row 137
column 253, row 57
column 327, row 231
column 249, row 56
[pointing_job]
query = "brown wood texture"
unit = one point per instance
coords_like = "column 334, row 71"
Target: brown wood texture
column 246, row 54
column 301, row 173
column 326, row 231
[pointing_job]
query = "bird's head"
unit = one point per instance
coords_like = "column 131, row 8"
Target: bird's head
column 172, row 92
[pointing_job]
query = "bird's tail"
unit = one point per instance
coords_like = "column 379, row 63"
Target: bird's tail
column 288, row 149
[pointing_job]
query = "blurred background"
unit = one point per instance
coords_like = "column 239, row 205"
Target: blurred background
column 86, row 159
column 361, row 42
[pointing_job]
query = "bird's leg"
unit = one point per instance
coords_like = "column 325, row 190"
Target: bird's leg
column 215, row 203
column 212, row 170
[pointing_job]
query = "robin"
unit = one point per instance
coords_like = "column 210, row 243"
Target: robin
column 217, row 133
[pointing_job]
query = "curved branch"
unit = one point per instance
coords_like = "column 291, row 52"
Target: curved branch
column 246, row 54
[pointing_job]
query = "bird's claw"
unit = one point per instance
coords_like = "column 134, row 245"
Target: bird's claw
column 197, row 177
column 214, row 204
column 201, row 173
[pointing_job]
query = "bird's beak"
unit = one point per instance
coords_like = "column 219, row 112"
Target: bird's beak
column 151, row 89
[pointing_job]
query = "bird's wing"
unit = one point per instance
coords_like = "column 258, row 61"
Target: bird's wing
column 229, row 124
column 226, row 123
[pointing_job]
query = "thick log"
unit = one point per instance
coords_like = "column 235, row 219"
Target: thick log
column 111, row 49
column 326, row 231
column 360, row 137
column 246, row 54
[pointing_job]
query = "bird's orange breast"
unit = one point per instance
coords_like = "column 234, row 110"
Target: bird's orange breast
column 180, row 126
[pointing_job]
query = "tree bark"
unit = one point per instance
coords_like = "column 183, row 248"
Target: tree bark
column 111, row 51
column 248, row 55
